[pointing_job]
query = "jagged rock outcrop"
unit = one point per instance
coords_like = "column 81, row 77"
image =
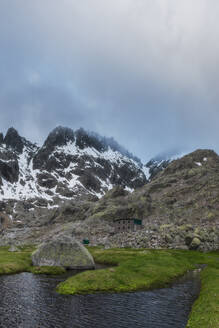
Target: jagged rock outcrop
column 68, row 165
column 85, row 140
column 157, row 164
column 13, row 140
column 1, row 138
column 65, row 252
column 59, row 137
column 9, row 170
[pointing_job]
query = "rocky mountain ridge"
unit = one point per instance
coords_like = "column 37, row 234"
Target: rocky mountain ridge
column 179, row 209
column 53, row 190
column 159, row 163
column 68, row 165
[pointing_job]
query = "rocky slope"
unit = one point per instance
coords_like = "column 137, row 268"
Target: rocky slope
column 68, row 165
column 179, row 209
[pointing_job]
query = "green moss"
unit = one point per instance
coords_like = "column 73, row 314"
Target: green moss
column 165, row 226
column 195, row 243
column 51, row 270
column 185, row 227
column 210, row 215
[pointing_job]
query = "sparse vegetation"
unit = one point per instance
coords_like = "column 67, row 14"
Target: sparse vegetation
column 15, row 262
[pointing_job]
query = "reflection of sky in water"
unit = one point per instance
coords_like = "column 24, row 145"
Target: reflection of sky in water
column 30, row 301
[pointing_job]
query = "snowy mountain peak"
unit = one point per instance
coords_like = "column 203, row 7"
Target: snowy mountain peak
column 59, row 136
column 89, row 140
column 13, row 140
column 68, row 165
column 159, row 163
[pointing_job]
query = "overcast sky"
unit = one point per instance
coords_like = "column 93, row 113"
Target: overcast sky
column 143, row 71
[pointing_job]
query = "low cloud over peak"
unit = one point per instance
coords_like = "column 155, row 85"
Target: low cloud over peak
column 145, row 72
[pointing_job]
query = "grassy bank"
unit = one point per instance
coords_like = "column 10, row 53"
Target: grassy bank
column 15, row 262
column 133, row 270
column 146, row 269
column 205, row 311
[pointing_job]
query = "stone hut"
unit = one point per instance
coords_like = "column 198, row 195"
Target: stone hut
column 126, row 225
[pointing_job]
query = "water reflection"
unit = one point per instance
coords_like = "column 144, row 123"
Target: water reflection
column 29, row 300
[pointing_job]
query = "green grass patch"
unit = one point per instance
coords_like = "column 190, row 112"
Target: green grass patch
column 205, row 311
column 50, row 270
column 15, row 262
column 133, row 270
column 147, row 269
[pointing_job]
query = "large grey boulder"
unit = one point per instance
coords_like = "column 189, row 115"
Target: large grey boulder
column 65, row 252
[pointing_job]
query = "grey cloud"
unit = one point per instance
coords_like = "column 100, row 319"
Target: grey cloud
column 144, row 72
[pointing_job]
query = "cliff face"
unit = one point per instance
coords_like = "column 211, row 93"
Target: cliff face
column 68, row 165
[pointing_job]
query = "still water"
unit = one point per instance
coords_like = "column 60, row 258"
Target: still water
column 30, row 301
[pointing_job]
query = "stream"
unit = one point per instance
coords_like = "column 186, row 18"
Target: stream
column 30, row 301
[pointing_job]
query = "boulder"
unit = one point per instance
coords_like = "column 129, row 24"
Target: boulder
column 195, row 243
column 13, row 248
column 65, row 252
